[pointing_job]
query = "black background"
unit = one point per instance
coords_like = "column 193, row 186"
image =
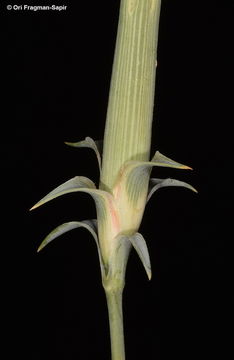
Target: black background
column 56, row 70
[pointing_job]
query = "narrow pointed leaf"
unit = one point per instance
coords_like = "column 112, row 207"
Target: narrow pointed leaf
column 162, row 160
column 72, row 185
column 156, row 184
column 88, row 142
column 140, row 246
column 90, row 225
column 62, row 229
column 137, row 173
column 103, row 199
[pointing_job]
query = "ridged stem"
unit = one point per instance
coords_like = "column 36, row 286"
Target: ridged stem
column 131, row 98
column 127, row 137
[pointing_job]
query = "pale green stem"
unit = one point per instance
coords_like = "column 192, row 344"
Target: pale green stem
column 128, row 129
column 131, row 98
column 114, row 303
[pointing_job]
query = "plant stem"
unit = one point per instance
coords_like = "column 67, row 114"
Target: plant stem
column 131, row 97
column 114, row 303
column 127, row 137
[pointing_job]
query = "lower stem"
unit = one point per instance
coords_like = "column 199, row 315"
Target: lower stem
column 114, row 303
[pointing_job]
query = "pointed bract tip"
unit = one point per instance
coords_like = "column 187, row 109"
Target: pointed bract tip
column 39, row 248
column 186, row 167
column 33, row 207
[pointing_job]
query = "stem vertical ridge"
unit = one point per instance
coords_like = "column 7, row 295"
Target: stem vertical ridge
column 131, row 97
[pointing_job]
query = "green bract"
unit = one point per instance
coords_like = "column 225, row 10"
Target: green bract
column 119, row 213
